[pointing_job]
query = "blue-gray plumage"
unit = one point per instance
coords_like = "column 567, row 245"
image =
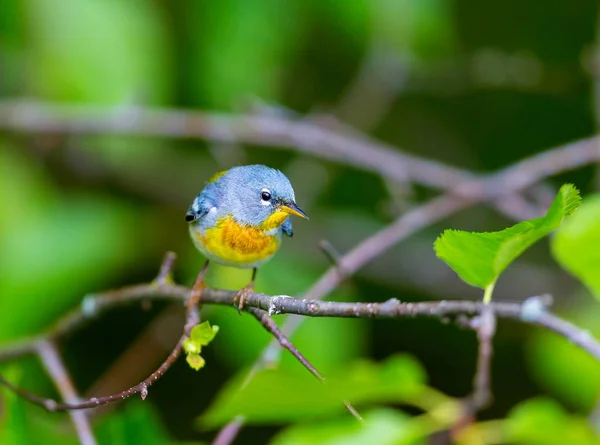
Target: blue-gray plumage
column 239, row 217
column 254, row 196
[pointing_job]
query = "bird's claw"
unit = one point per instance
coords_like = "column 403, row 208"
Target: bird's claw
column 239, row 300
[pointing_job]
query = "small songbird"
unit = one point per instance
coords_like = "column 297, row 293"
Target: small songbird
column 238, row 218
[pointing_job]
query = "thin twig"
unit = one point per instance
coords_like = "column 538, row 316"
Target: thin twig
column 58, row 373
column 270, row 325
column 364, row 252
column 498, row 186
column 19, row 348
column 532, row 311
column 165, row 273
column 332, row 255
column 264, row 318
column 229, row 432
column 486, row 328
column 306, row 136
column 140, row 388
column 275, row 131
column 384, row 239
column 465, row 188
column 279, row 131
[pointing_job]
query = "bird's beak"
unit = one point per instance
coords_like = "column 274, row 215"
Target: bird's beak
column 293, row 209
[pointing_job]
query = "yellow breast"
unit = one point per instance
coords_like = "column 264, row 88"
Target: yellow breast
column 232, row 243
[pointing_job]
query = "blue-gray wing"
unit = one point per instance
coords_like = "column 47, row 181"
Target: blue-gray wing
column 286, row 227
column 208, row 198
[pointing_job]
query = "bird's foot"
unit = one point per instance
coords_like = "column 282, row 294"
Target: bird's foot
column 240, row 298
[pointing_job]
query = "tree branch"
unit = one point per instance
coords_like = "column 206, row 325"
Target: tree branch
column 532, row 311
column 463, row 189
column 268, row 130
column 499, row 186
column 94, row 306
column 485, row 326
column 345, row 147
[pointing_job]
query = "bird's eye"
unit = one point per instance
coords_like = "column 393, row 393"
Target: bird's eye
column 265, row 195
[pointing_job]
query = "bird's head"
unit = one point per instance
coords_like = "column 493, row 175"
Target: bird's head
column 259, row 196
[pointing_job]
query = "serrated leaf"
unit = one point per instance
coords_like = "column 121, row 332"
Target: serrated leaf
column 480, row 258
column 575, row 245
column 277, row 395
column 204, row 333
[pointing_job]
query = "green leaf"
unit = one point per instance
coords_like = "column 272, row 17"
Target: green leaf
column 243, row 49
column 279, row 396
column 191, row 347
column 575, row 245
column 71, row 243
column 424, row 29
column 14, row 425
column 135, row 422
column 22, row 423
column 551, row 357
column 109, row 51
column 545, row 422
column 381, row 426
column 195, row 361
column 349, row 20
column 201, row 335
column 480, row 258
column 204, row 333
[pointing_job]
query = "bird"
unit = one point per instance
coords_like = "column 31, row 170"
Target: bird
column 238, row 220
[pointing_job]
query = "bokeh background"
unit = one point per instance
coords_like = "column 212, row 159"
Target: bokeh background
column 473, row 84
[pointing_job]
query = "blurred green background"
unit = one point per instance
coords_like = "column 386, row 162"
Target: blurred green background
column 473, row 84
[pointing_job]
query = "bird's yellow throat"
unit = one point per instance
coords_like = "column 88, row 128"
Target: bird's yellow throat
column 242, row 244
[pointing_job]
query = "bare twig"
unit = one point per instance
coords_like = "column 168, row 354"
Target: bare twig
column 264, row 319
column 141, row 388
column 501, row 185
column 268, row 130
column 58, row 373
column 350, row 148
column 486, row 328
column 332, row 255
column 229, row 432
column 531, row 311
column 463, row 188
column 364, row 252
column 165, row 273
column 24, row 346
column 381, row 241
